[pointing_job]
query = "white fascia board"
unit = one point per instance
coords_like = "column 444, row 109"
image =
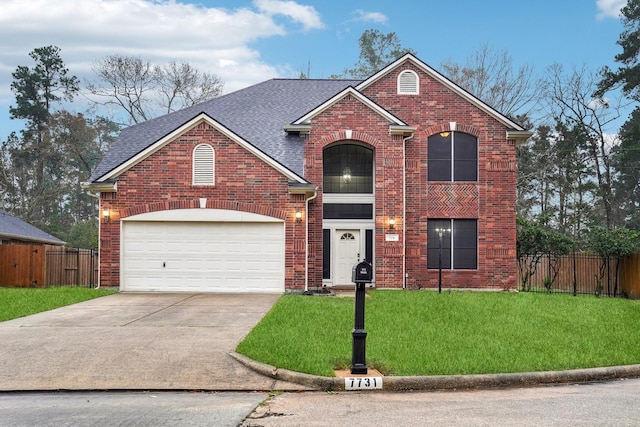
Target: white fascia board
column 202, row 117
column 360, row 97
column 520, row 136
column 103, row 187
column 445, row 82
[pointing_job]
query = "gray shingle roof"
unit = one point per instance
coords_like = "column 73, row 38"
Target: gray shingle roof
column 258, row 114
column 16, row 229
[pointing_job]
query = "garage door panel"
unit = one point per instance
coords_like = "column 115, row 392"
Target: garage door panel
column 203, row 257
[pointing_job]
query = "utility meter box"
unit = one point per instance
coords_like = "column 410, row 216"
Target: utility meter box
column 362, row 273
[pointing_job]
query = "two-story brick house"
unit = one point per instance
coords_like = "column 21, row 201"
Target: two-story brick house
column 286, row 184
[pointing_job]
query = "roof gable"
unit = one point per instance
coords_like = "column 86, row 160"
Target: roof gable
column 202, row 117
column 350, row 91
column 510, row 124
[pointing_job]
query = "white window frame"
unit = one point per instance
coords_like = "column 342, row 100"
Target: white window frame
column 202, row 165
column 404, row 84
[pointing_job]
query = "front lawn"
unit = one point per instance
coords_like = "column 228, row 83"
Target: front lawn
column 426, row 333
column 18, row 302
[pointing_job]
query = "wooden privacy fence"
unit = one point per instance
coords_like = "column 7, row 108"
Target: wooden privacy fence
column 22, row 265
column 43, row 265
column 580, row 273
column 630, row 276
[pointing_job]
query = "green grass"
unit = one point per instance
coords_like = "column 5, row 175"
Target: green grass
column 18, row 302
column 426, row 333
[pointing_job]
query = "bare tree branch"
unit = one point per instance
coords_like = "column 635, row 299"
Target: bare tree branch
column 491, row 76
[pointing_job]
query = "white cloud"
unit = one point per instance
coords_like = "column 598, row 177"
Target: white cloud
column 306, row 15
column 610, row 8
column 215, row 40
column 376, row 17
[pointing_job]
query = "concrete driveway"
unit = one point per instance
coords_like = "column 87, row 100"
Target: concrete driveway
column 135, row 341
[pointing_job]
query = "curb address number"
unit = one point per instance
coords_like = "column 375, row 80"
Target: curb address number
column 363, row 383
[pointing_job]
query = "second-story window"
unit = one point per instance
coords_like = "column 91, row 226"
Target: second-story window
column 453, row 156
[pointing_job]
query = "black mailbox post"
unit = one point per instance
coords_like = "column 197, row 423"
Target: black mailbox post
column 362, row 274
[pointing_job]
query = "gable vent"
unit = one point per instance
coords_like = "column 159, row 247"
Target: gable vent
column 408, row 83
column 203, row 165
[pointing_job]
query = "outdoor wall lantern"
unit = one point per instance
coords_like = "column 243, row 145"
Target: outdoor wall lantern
column 346, row 175
column 105, row 215
column 392, row 223
column 298, row 217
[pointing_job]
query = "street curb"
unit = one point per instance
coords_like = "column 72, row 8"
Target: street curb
column 449, row 382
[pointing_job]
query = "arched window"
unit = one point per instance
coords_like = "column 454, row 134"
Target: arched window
column 348, row 168
column 203, row 165
column 453, row 156
column 408, row 83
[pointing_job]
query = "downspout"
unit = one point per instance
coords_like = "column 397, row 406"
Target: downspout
column 306, row 251
column 97, row 196
column 404, row 210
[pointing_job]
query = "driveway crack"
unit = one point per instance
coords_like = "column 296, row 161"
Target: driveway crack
column 159, row 310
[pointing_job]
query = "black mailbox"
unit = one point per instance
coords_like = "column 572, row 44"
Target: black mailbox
column 362, row 273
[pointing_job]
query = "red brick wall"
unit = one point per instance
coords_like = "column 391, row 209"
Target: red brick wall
column 245, row 183
column 164, row 181
column 491, row 199
column 371, row 129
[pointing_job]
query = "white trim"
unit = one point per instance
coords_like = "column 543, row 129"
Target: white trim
column 202, row 117
column 348, row 197
column 345, row 225
column 360, row 97
column 444, row 81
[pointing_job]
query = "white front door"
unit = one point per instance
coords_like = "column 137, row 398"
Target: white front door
column 347, row 255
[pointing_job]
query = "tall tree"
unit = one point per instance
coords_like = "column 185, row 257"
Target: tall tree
column 38, row 89
column 569, row 100
column 627, row 75
column 77, row 144
column 535, row 189
column 576, row 190
column 81, row 143
column 491, row 76
column 555, row 179
column 626, row 162
column 144, row 90
column 377, row 50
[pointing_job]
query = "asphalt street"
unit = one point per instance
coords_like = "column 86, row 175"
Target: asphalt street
column 615, row 403
column 82, row 409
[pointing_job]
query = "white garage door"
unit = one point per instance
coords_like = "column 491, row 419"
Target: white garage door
column 202, row 256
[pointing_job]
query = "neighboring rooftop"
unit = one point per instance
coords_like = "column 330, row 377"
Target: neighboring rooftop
column 12, row 228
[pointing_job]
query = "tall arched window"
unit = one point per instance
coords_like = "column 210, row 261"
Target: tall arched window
column 348, row 168
column 203, row 165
